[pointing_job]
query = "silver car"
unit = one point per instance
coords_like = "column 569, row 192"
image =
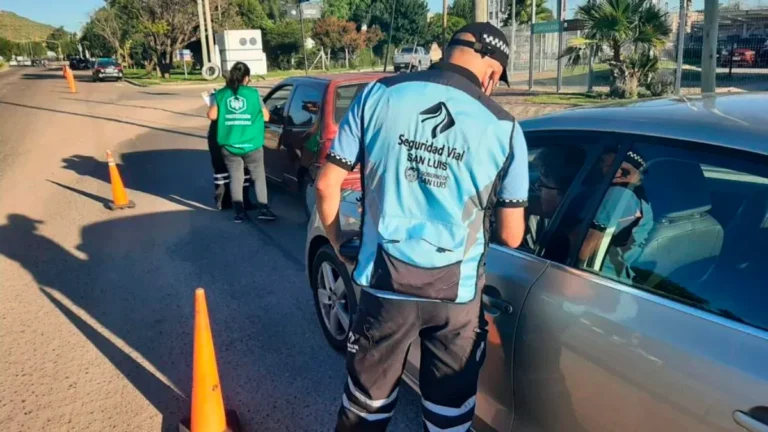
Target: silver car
column 637, row 301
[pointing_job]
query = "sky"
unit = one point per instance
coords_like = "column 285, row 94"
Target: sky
column 72, row 14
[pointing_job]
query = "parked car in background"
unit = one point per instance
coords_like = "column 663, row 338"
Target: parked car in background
column 675, row 340
column 79, row 63
column 411, row 59
column 745, row 52
column 305, row 113
column 107, row 68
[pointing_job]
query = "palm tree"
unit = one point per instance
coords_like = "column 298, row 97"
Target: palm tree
column 632, row 31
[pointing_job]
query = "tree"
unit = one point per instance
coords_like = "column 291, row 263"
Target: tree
column 95, row 43
column 282, row 43
column 166, row 26
column 464, row 9
column 341, row 9
column 253, row 15
column 410, row 19
column 373, row 36
column 329, row 33
column 435, row 28
column 67, row 42
column 632, row 31
column 106, row 23
column 523, row 12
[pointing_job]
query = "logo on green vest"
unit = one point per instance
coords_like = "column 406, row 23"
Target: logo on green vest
column 237, row 104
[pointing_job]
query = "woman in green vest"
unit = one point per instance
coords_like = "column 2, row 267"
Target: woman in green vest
column 240, row 114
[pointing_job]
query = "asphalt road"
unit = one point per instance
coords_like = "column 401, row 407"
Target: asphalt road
column 96, row 314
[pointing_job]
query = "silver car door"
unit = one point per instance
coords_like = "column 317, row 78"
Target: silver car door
column 678, row 341
column 510, row 273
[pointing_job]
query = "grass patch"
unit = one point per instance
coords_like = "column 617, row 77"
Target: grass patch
column 177, row 76
column 573, row 99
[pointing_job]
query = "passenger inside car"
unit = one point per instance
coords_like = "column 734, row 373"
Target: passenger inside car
column 619, row 230
column 557, row 168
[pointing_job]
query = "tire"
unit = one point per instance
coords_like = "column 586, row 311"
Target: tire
column 308, row 197
column 342, row 298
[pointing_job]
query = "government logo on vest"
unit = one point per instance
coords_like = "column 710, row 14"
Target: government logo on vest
column 237, row 104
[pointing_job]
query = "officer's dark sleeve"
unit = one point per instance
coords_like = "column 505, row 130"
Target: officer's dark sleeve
column 345, row 150
column 514, row 186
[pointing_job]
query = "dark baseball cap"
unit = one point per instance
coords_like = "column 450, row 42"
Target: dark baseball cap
column 489, row 41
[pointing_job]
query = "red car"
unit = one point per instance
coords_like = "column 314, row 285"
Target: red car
column 305, row 113
column 742, row 57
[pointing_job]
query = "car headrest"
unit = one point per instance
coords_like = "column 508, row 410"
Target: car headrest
column 676, row 189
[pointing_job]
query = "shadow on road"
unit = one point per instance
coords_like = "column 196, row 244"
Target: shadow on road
column 54, row 76
column 132, row 298
column 110, row 119
column 136, row 106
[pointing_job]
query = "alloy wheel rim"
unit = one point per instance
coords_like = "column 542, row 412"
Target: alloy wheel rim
column 332, row 299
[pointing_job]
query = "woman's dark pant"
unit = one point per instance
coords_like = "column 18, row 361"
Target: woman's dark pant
column 255, row 163
column 221, row 175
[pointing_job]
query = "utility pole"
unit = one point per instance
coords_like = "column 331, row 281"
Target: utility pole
column 680, row 41
column 303, row 38
column 513, row 42
column 210, row 30
column 531, row 43
column 481, row 10
column 391, row 30
column 709, row 47
column 203, row 44
column 560, row 42
column 445, row 24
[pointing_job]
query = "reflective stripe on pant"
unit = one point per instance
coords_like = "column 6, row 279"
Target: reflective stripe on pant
column 453, row 338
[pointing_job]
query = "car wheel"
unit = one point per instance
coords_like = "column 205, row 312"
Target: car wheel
column 309, row 195
column 334, row 296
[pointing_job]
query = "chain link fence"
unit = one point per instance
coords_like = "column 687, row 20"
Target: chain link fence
column 741, row 59
column 741, row 53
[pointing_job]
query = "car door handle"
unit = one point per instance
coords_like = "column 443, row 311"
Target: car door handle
column 495, row 306
column 749, row 422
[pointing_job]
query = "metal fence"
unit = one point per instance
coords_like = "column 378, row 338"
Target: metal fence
column 742, row 55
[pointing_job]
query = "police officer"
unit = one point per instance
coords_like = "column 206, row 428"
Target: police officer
column 438, row 156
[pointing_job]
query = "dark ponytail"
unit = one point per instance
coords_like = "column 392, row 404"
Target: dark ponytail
column 237, row 75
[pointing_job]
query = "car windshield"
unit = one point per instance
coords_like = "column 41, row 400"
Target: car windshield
column 107, row 63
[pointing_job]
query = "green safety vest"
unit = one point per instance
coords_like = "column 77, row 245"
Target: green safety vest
column 241, row 121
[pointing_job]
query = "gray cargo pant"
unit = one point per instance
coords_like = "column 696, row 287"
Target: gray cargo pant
column 255, row 163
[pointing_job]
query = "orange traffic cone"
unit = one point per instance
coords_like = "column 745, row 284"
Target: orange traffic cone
column 208, row 413
column 71, row 83
column 119, row 195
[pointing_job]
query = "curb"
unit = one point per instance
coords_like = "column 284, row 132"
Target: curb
column 134, row 83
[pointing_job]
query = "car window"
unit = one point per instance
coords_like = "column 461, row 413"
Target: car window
column 107, row 63
column 554, row 163
column 406, row 50
column 688, row 225
column 305, row 106
column 344, row 97
column 275, row 104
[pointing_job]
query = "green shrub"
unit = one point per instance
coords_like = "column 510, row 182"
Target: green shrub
column 661, row 84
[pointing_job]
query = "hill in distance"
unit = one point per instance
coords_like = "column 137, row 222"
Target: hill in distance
column 18, row 28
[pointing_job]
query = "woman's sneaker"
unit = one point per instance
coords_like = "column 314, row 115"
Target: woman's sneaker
column 265, row 214
column 239, row 212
